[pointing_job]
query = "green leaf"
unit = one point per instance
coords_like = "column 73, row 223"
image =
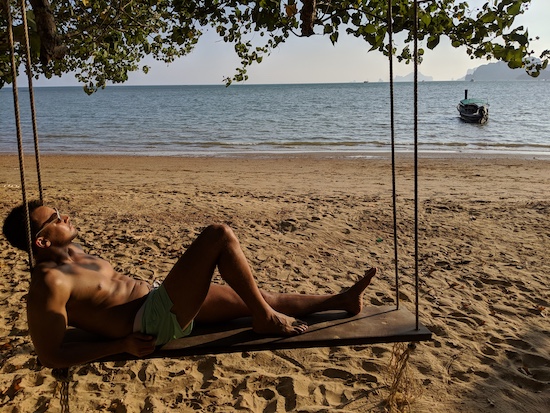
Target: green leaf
column 433, row 41
column 515, row 8
column 370, row 28
column 426, row 19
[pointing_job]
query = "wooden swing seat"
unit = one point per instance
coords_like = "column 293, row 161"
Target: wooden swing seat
column 375, row 324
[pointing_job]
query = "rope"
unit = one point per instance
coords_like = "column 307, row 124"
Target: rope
column 402, row 385
column 394, row 196
column 31, row 97
column 392, row 122
column 64, row 377
column 416, row 161
column 19, row 135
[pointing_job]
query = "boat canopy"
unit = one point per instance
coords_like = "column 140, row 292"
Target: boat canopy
column 475, row 101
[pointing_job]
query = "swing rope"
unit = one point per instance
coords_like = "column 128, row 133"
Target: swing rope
column 393, row 174
column 31, row 98
column 392, row 122
column 416, row 258
column 18, row 120
column 19, row 134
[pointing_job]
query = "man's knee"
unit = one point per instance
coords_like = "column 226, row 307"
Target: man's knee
column 220, row 233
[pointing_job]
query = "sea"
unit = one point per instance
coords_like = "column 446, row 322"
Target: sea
column 346, row 119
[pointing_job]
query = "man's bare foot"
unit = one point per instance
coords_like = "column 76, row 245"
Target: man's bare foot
column 353, row 297
column 279, row 324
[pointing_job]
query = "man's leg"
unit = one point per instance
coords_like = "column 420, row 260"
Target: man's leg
column 296, row 305
column 189, row 281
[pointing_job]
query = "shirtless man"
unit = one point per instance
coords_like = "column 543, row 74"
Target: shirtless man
column 71, row 288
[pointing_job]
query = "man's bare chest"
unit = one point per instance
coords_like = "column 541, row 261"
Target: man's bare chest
column 95, row 281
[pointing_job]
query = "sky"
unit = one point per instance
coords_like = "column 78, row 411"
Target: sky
column 316, row 60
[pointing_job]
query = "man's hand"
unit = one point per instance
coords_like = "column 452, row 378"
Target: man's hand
column 139, row 344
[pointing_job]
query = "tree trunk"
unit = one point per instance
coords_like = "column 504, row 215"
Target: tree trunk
column 307, row 15
column 50, row 45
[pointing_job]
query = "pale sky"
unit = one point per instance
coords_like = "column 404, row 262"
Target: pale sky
column 316, row 60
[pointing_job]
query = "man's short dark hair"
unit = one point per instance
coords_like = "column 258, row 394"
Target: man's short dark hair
column 15, row 227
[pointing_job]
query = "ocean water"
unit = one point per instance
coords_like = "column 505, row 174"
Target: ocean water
column 350, row 119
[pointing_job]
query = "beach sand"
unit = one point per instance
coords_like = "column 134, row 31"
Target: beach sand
column 311, row 225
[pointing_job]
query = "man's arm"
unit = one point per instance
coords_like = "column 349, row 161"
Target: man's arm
column 47, row 318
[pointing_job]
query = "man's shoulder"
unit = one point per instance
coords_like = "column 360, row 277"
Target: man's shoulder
column 47, row 268
column 49, row 276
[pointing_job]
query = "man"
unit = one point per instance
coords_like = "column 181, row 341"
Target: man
column 71, row 288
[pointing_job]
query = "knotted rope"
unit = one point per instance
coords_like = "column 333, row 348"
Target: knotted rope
column 63, row 376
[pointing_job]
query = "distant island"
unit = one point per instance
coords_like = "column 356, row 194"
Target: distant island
column 491, row 71
column 501, row 71
column 410, row 78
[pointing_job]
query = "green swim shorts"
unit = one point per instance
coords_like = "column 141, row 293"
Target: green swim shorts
column 157, row 319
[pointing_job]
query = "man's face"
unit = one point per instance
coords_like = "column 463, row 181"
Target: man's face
column 53, row 226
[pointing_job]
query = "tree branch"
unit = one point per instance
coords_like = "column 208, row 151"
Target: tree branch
column 307, row 15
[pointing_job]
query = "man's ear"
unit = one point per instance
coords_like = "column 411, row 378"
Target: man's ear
column 42, row 242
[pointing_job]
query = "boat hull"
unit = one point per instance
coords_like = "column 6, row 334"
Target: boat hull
column 473, row 112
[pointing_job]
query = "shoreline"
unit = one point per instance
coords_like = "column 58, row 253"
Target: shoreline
column 366, row 155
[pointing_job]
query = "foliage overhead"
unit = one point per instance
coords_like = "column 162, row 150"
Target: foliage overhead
column 103, row 41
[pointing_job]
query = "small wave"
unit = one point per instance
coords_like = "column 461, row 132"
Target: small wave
column 445, row 144
column 278, row 144
column 511, row 145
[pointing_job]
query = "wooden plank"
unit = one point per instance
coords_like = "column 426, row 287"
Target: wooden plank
column 383, row 324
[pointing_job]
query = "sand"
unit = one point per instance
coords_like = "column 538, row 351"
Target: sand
column 312, row 225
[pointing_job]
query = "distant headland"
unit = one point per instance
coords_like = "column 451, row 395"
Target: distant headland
column 501, row 71
column 491, row 71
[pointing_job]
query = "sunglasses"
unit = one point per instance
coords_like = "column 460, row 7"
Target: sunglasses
column 53, row 218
